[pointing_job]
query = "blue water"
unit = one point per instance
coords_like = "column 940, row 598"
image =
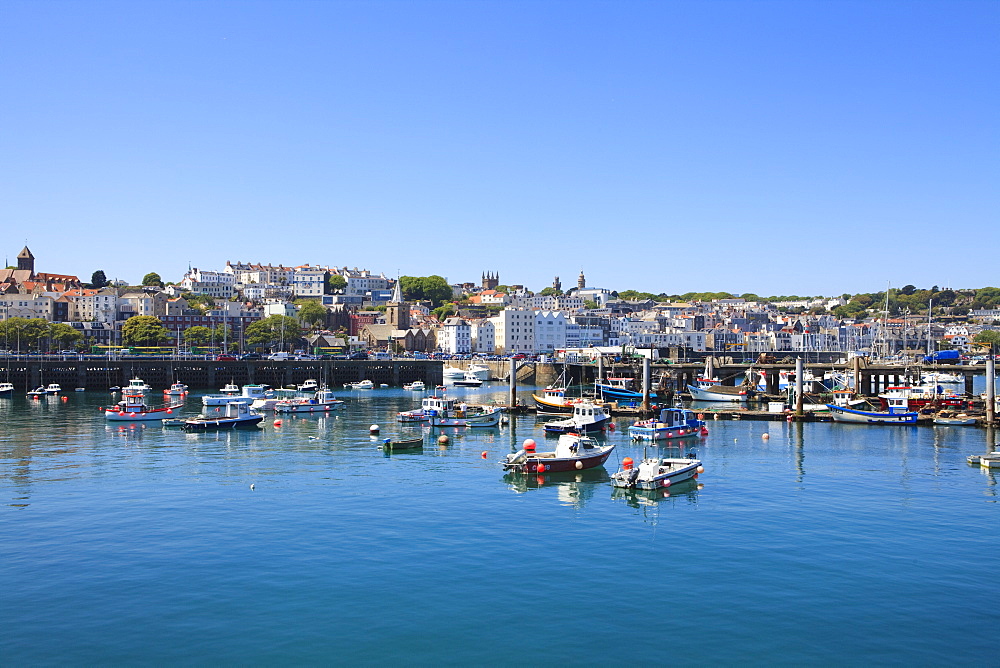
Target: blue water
column 826, row 544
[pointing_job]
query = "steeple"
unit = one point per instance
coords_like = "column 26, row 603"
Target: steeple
column 582, row 281
column 25, row 260
column 397, row 293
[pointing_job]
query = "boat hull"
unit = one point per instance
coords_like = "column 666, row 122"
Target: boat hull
column 559, row 465
column 640, row 433
column 628, row 479
column 618, row 394
column 568, row 427
column 704, row 394
column 216, row 424
column 307, row 408
column 490, row 420
column 548, row 406
column 223, row 399
column 134, row 416
column 840, row 414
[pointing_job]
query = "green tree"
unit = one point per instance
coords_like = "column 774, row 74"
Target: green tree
column 198, row 335
column 545, row 292
column 273, row 331
column 635, row 295
column 23, row 333
column 442, row 312
column 152, row 278
column 590, row 304
column 64, row 335
column 335, row 283
column 431, row 288
column 908, row 289
column 98, row 279
column 989, row 336
column 311, row 312
column 144, row 330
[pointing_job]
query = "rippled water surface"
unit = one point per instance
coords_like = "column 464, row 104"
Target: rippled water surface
column 824, row 544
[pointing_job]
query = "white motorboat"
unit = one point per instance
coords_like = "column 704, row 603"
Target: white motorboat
column 465, row 416
column 236, row 415
column 452, row 372
column 480, row 371
column 713, row 390
column 247, row 395
column 573, row 453
column 587, row 418
column 468, row 380
column 361, row 385
column 231, row 389
column 322, row 401
column 53, row 388
column 656, row 472
column 136, row 385
column 176, row 389
column 415, row 386
column 309, row 385
column 6, row 388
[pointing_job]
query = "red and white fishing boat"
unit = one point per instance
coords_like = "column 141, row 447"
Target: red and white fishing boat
column 920, row 396
column 133, row 407
column 573, row 453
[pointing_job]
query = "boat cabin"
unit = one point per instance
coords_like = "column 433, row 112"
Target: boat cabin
column 677, row 417
column 572, row 445
column 589, row 412
column 437, row 404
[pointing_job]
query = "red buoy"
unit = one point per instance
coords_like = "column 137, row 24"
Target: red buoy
column 627, row 463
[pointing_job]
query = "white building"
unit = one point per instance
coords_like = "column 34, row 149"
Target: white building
column 215, row 284
column 92, row 305
column 361, row 282
column 483, row 337
column 26, row 306
column 514, row 330
column 583, row 336
column 309, row 281
column 455, row 336
column 550, row 331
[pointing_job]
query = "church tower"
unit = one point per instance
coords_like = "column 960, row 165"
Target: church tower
column 397, row 312
column 582, row 281
column 557, row 285
column 26, row 261
column 490, row 281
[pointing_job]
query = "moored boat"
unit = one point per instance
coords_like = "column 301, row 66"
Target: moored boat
column 37, row 392
column 573, row 452
column 587, row 417
column 133, row 407
column 713, row 390
column 468, row 380
column 960, row 420
column 309, row 385
column 617, row 389
column 897, row 414
column 6, row 388
column 136, row 385
column 427, row 404
column 53, row 388
column 394, row 445
column 247, row 395
column 237, row 415
column 176, row 389
column 656, row 472
column 671, row 423
column 415, row 386
column 361, row 385
column 465, row 416
column 321, row 401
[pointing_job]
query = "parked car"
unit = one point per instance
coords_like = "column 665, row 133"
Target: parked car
column 225, row 358
column 251, row 356
column 358, row 356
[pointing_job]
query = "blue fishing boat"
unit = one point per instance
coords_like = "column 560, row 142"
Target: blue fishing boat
column 617, row 389
column 671, row 423
column 898, row 413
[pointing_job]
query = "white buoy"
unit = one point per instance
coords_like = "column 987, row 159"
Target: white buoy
column 251, row 487
column 373, row 429
column 765, row 436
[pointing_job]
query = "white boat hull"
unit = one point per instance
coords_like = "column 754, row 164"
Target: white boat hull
column 840, row 414
column 701, row 394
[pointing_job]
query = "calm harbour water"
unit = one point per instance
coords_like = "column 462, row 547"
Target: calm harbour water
column 825, row 544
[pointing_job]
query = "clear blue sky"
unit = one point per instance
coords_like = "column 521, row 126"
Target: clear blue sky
column 770, row 147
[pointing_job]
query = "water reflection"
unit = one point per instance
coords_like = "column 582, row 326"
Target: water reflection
column 573, row 488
